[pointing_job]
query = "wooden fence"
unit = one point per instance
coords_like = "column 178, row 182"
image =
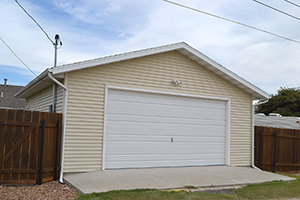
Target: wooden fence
column 29, row 146
column 277, row 149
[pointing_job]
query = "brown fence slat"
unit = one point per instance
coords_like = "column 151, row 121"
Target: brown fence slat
column 19, row 142
column 18, row 170
column 20, row 146
column 287, row 154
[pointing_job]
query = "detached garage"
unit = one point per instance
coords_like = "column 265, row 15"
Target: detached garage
column 166, row 106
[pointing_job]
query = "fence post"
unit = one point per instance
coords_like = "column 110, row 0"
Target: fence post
column 260, row 148
column 42, row 152
column 275, row 151
column 57, row 151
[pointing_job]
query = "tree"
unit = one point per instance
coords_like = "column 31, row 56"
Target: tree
column 286, row 102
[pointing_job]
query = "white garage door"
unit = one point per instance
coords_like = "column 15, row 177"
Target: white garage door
column 160, row 130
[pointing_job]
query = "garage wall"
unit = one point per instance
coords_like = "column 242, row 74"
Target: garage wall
column 84, row 133
column 43, row 99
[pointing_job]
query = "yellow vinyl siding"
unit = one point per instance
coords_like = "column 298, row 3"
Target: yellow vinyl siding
column 43, row 99
column 85, row 113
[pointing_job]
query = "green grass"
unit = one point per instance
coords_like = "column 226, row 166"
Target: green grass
column 152, row 195
column 270, row 190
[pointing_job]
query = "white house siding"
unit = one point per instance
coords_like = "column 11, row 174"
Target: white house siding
column 84, row 132
column 43, row 99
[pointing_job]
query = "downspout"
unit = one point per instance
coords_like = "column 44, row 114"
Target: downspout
column 53, row 98
column 252, row 159
column 64, row 124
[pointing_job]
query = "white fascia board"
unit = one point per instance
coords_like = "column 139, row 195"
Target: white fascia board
column 33, row 83
column 40, row 82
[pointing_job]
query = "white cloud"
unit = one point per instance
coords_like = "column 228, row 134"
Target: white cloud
column 92, row 28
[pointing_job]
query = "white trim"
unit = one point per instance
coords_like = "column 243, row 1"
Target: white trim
column 104, row 129
column 227, row 145
column 228, row 113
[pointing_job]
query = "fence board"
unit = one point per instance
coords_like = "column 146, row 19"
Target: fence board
column 287, row 149
column 20, row 146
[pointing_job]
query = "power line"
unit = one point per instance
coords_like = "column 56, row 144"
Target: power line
column 17, row 57
column 35, row 22
column 233, row 21
column 293, row 3
column 277, row 10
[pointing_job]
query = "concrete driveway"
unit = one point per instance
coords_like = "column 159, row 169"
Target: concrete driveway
column 167, row 178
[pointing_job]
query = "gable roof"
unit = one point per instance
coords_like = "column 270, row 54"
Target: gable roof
column 7, row 99
column 181, row 47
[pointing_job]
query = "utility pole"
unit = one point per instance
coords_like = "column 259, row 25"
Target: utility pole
column 55, row 44
column 57, row 41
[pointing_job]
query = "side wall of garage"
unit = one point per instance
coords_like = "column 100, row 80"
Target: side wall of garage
column 85, row 113
column 43, row 99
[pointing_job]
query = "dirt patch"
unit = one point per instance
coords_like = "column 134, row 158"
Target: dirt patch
column 212, row 189
column 51, row 191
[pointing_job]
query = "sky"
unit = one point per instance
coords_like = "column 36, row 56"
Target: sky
column 94, row 28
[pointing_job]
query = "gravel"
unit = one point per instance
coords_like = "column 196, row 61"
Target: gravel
column 48, row 191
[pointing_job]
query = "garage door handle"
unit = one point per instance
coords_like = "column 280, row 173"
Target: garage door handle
column 171, row 139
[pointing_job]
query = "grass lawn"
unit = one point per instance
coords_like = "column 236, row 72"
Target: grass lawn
column 270, row 190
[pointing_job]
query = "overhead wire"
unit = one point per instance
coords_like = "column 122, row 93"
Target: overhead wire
column 278, row 10
column 52, row 42
column 233, row 21
column 292, row 3
column 17, row 56
column 35, row 22
column 22, row 61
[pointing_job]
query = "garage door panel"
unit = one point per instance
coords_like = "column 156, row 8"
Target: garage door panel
column 164, row 148
column 142, row 109
column 162, row 138
column 162, row 157
column 157, row 130
column 125, row 128
column 156, row 121
column 167, row 130
column 151, row 98
column 163, row 163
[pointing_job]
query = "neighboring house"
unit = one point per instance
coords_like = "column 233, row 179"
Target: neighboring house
column 7, row 98
column 277, row 122
column 166, row 106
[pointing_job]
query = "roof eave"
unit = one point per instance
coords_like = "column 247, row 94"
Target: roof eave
column 32, row 84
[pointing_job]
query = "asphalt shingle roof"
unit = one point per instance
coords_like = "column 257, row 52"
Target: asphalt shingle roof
column 7, row 98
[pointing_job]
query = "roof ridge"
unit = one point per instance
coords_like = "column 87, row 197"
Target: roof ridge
column 121, row 54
